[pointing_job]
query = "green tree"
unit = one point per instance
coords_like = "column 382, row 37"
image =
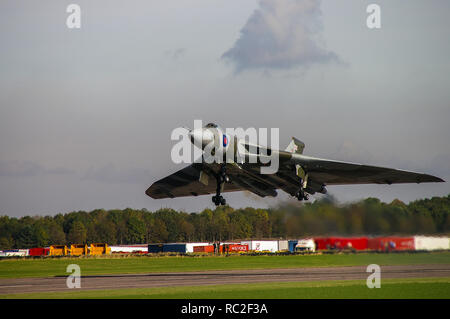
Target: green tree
column 158, row 232
column 6, row 242
column 56, row 234
column 77, row 233
column 25, row 237
column 136, row 231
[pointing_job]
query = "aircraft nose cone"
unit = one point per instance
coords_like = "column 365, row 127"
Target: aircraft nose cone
column 195, row 136
column 200, row 137
column 191, row 136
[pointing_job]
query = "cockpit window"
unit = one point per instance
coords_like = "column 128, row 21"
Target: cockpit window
column 211, row 125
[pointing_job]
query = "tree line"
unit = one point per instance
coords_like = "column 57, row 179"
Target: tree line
column 288, row 220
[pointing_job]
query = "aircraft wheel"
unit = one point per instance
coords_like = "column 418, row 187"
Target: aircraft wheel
column 218, row 200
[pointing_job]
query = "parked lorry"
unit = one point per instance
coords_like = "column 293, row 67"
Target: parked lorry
column 305, row 245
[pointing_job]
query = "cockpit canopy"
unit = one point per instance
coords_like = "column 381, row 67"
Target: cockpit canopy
column 211, row 125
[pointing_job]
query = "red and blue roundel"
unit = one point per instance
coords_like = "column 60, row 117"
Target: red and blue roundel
column 225, row 140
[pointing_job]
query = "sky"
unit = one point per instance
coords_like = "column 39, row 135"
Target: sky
column 86, row 114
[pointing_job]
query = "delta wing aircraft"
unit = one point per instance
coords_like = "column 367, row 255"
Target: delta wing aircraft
column 297, row 174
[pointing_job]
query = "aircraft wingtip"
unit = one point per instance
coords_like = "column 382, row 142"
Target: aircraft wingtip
column 438, row 179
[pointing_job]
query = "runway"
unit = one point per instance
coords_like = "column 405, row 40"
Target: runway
column 154, row 280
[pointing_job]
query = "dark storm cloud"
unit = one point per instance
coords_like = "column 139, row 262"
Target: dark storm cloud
column 28, row 169
column 281, row 34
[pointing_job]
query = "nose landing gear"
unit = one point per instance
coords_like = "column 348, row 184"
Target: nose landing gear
column 221, row 178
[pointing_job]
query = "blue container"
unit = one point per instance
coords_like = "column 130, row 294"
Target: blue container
column 174, row 248
column 292, row 244
column 155, row 248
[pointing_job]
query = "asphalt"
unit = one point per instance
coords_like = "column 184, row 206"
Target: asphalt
column 154, row 280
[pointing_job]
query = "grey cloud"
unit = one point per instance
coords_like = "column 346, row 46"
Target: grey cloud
column 28, row 169
column 439, row 165
column 114, row 90
column 281, row 34
column 175, row 54
column 110, row 174
column 352, row 152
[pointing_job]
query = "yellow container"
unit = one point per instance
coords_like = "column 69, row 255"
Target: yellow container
column 99, row 249
column 78, row 249
column 58, row 250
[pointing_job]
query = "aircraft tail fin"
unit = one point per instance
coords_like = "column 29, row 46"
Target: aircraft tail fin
column 295, row 146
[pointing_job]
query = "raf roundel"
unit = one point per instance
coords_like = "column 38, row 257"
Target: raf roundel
column 225, row 140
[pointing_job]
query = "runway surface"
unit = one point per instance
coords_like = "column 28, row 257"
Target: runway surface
column 153, row 280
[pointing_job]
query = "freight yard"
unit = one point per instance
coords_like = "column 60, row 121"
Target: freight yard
column 280, row 254
column 315, row 244
column 341, row 275
column 324, row 267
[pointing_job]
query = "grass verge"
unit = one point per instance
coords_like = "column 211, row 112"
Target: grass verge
column 408, row 288
column 49, row 267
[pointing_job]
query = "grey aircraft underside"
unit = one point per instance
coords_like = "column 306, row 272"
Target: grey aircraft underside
column 297, row 175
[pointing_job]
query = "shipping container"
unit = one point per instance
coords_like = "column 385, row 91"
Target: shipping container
column 283, row 245
column 174, row 248
column 340, row 243
column 182, row 247
column 238, row 248
column 190, row 246
column 305, row 245
column 58, row 250
column 204, row 249
column 14, row 253
column 391, row 243
column 322, row 243
column 129, row 249
column 431, row 243
column 155, row 248
column 224, row 248
column 37, row 252
column 261, row 245
column 233, row 248
column 292, row 243
column 99, row 249
column 78, row 249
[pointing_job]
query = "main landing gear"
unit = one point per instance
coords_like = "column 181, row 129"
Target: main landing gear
column 303, row 180
column 302, row 195
column 222, row 178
